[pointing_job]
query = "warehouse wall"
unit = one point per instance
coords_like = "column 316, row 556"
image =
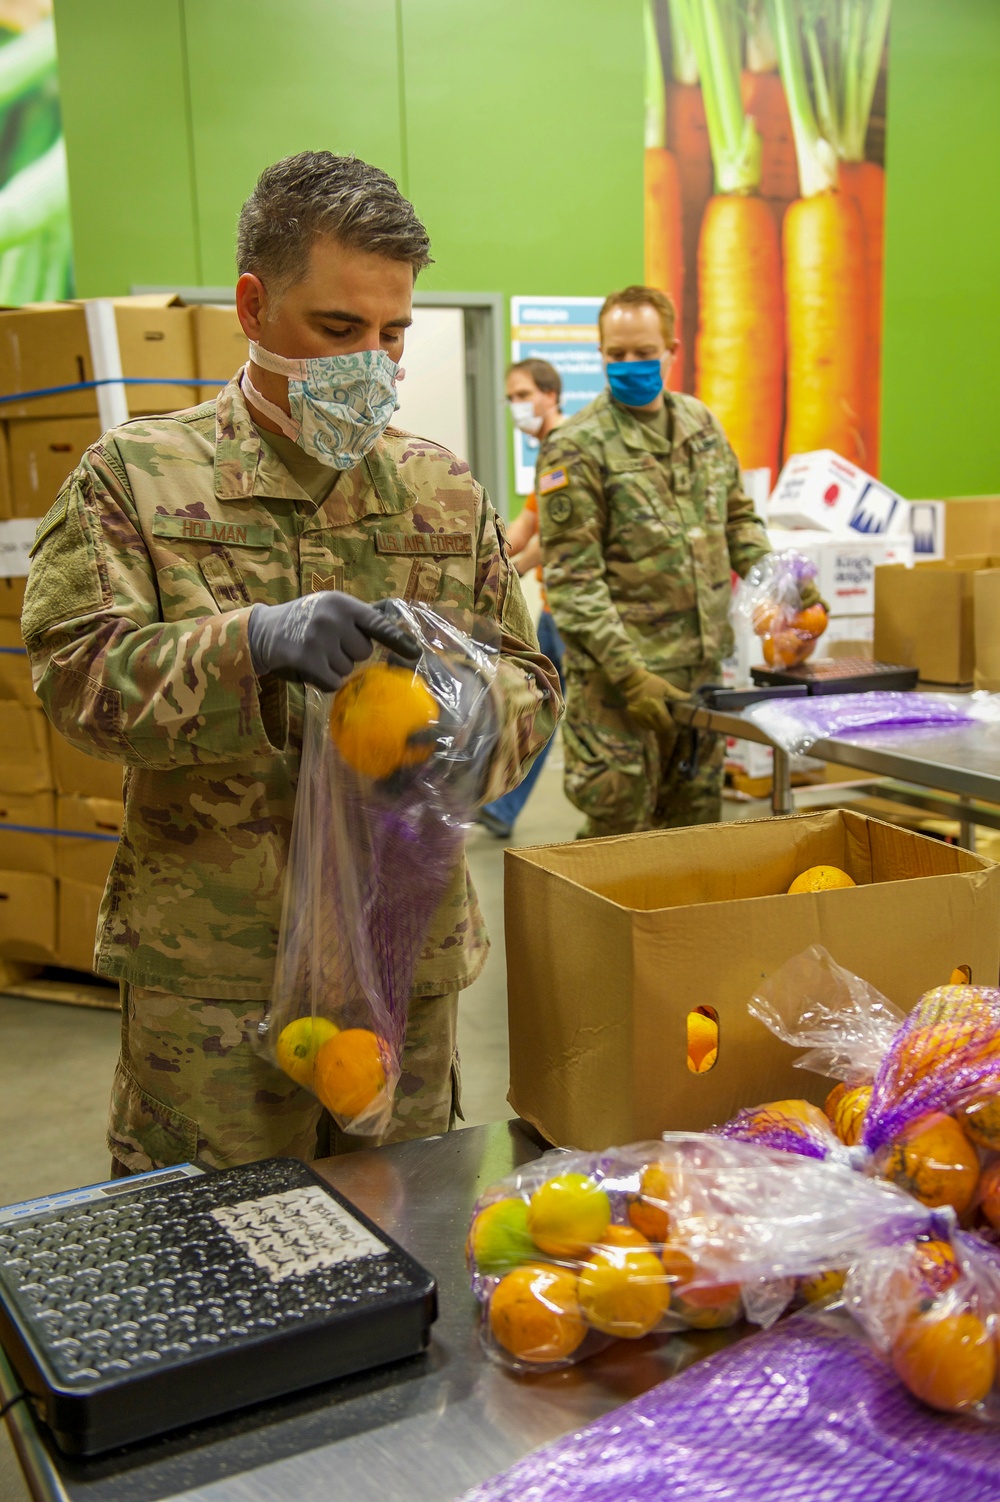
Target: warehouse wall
column 515, row 126
column 940, row 434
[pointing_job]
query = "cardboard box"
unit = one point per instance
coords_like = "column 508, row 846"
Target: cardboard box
column 43, row 452
column 986, row 616
column 611, row 943
column 46, row 344
column 11, row 598
column 27, row 837
column 15, row 669
column 27, row 917
column 220, row 345
column 924, row 619
column 25, row 762
column 79, row 905
column 955, row 528
column 77, row 772
column 6, row 504
column 89, row 837
column 824, row 491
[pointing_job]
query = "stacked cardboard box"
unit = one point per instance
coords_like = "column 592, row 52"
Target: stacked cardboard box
column 60, row 817
column 60, row 810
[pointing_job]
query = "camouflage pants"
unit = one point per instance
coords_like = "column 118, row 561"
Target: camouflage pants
column 624, row 778
column 191, row 1084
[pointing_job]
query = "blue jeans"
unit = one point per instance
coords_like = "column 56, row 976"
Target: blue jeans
column 507, row 808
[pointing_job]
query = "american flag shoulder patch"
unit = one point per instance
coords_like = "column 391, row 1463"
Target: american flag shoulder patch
column 553, row 479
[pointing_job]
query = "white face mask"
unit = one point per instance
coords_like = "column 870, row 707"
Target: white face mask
column 523, row 416
column 340, row 404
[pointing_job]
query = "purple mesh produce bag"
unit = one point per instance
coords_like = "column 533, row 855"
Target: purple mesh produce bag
column 803, row 1413
column 796, row 724
column 370, row 861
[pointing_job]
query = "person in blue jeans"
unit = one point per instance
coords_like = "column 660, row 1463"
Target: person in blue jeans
column 534, row 391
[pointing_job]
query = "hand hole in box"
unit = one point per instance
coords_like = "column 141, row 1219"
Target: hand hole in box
column 702, row 1039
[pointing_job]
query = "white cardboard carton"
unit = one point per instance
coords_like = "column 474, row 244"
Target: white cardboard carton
column 823, row 491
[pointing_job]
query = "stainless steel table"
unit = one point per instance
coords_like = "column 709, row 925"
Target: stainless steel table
column 960, row 765
column 425, row 1429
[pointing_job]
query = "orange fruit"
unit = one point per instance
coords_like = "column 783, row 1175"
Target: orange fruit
column 799, row 1116
column 836, row 1094
column 702, row 1038
column 812, row 621
column 821, row 879
column 961, row 976
column 982, row 1122
column 935, row 1161
column 349, row 1072
column 766, row 616
column 374, row 715
column 822, row 1285
column 298, row 1044
column 498, row 1239
column 786, row 649
column 947, row 1360
column 989, row 1193
column 648, row 1210
column 849, row 1113
column 706, row 1308
column 623, row 1288
column 567, row 1215
column 535, row 1313
column 924, row 1271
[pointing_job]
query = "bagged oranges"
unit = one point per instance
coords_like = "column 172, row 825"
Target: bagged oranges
column 375, row 716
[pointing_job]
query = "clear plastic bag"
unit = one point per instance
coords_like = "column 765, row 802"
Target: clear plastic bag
column 692, row 1232
column 393, row 766
column 932, row 1308
column 769, row 600
column 923, row 1115
column 797, row 724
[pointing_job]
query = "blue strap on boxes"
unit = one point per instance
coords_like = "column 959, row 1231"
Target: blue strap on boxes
column 27, row 396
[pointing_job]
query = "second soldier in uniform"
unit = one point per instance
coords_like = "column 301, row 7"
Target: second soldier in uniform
column 642, row 519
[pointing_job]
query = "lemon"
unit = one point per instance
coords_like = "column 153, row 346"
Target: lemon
column 299, row 1043
column 821, row 879
column 567, row 1215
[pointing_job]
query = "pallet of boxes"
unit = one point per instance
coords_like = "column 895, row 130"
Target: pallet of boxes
column 848, row 525
column 60, row 809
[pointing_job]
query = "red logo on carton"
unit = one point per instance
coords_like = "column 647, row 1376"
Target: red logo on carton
column 831, row 494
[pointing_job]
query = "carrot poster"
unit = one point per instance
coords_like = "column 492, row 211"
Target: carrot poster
column 764, row 202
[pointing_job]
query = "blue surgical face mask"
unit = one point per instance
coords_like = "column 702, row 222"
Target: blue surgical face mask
column 635, row 383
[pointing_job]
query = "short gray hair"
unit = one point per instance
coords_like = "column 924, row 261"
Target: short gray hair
column 318, row 193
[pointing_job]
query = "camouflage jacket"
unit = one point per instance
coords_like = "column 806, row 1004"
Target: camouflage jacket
column 639, row 533
column 135, row 618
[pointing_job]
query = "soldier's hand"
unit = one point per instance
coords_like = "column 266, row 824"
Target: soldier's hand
column 648, row 696
column 810, row 595
column 321, row 637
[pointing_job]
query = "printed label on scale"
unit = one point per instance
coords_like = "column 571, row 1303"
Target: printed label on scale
column 298, row 1232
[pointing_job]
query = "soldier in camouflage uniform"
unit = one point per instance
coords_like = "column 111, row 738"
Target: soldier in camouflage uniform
column 194, row 570
column 642, row 517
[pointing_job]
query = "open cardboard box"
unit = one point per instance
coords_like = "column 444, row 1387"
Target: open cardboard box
column 611, row 943
column 924, row 618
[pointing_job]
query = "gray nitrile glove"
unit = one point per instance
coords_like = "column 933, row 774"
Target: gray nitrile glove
column 321, row 637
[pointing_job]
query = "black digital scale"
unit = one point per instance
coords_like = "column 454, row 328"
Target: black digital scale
column 133, row 1307
column 837, row 675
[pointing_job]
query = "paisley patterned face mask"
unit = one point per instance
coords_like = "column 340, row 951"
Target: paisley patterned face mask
column 340, row 403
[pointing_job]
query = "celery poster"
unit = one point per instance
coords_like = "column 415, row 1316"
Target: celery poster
column 35, row 251
column 764, row 205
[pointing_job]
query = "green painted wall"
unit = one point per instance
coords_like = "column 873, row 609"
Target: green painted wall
column 514, row 125
column 940, row 433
